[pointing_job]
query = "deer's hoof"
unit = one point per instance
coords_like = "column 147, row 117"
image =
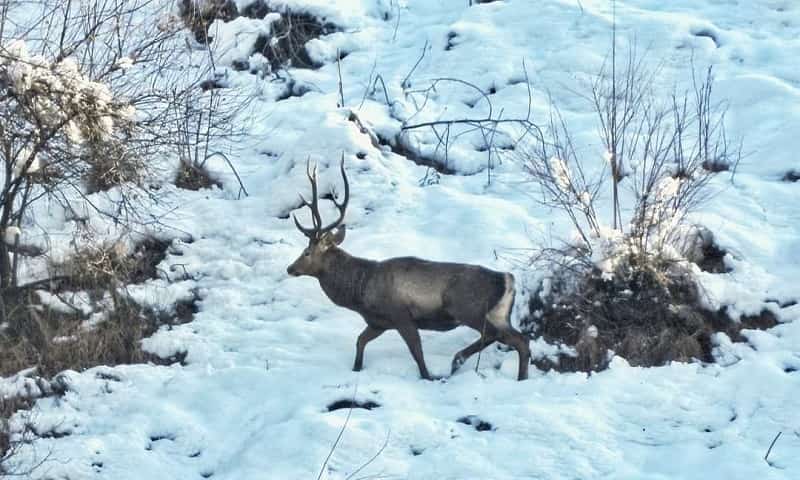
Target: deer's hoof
column 457, row 362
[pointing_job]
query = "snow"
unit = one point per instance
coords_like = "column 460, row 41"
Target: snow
column 266, row 354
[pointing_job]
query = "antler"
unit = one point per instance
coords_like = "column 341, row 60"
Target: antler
column 314, row 205
column 317, row 229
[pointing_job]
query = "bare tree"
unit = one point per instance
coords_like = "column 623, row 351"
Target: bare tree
column 92, row 92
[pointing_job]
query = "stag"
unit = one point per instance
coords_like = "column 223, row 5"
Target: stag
column 406, row 293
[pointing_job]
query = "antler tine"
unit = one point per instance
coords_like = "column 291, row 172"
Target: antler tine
column 308, row 232
column 316, row 219
column 342, row 207
column 314, row 206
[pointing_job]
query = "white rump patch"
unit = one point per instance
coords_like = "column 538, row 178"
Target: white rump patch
column 500, row 313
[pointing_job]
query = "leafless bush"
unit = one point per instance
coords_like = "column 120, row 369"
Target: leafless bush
column 657, row 148
column 650, row 314
column 201, row 120
column 448, row 131
column 93, row 92
column 623, row 284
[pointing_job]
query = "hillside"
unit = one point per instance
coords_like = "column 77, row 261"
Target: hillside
column 266, row 355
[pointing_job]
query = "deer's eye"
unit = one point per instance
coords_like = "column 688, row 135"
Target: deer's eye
column 306, row 253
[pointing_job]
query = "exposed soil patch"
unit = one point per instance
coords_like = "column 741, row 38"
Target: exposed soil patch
column 452, row 41
column 166, row 436
column 716, row 166
column 198, row 16
column 706, row 253
column 293, row 89
column 257, row 9
column 475, row 421
column 286, row 44
column 713, row 259
column 399, row 146
column 707, row 33
column 791, row 176
column 350, row 403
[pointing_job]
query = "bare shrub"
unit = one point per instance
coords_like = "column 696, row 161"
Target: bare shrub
column 658, row 146
column 111, row 165
column 624, row 284
column 200, row 121
column 649, row 314
column 101, row 265
column 54, row 341
column 105, row 93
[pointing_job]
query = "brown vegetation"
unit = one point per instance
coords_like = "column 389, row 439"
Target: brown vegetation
column 641, row 314
column 57, row 334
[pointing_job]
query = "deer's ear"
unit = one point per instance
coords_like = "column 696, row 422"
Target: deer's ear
column 338, row 236
column 334, row 238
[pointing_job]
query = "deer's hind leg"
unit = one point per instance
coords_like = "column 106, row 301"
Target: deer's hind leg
column 518, row 342
column 463, row 355
column 500, row 318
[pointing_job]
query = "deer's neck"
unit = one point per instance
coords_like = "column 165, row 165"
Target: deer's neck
column 344, row 278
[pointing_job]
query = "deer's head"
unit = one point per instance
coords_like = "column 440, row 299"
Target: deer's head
column 321, row 240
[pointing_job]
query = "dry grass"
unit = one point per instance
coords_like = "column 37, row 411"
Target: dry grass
column 50, row 339
column 286, row 45
column 195, row 177
column 110, row 164
column 198, row 15
column 56, row 339
column 53, row 341
column 642, row 314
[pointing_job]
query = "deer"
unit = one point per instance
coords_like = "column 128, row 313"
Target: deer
column 407, row 294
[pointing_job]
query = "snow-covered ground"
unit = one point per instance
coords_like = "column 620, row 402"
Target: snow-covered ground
column 266, row 354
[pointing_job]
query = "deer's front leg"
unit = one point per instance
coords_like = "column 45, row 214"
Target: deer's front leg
column 369, row 334
column 410, row 334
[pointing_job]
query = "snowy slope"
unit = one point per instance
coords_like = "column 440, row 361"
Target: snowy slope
column 267, row 353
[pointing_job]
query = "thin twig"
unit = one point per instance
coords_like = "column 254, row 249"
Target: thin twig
column 341, row 83
column 766, row 456
column 405, row 83
column 368, row 462
column 341, row 432
column 242, row 189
